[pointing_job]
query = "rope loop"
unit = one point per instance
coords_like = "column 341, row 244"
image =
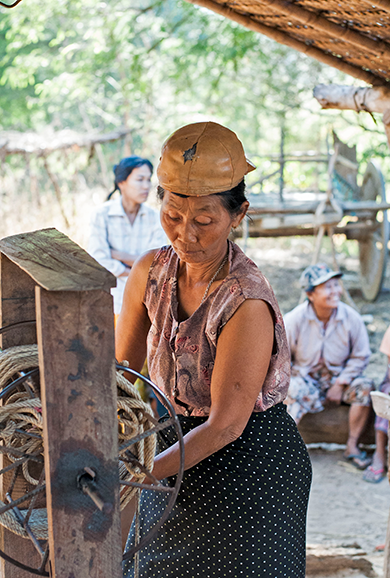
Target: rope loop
column 21, row 429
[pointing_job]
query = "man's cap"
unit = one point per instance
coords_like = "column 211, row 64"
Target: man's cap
column 317, row 274
column 201, row 159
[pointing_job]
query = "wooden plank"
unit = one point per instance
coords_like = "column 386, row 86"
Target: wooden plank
column 76, row 351
column 311, row 207
column 281, row 232
column 337, row 560
column 55, row 262
column 17, row 303
column 331, row 426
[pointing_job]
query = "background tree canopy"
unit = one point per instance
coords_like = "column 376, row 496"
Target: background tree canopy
column 152, row 66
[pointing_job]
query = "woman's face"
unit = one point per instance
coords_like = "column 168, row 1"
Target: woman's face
column 197, row 227
column 136, row 187
column 327, row 295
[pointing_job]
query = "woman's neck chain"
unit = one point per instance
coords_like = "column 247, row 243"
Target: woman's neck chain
column 224, row 261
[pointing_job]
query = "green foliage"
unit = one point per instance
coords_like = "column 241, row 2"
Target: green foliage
column 156, row 64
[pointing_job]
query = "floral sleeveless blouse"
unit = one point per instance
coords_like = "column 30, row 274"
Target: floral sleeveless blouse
column 181, row 355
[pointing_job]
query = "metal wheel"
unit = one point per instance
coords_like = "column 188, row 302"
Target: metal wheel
column 373, row 248
column 23, row 505
column 26, row 382
column 157, row 486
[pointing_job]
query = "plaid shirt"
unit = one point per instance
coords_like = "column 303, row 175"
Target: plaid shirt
column 111, row 229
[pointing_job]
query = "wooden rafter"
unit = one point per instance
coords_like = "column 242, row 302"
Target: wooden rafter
column 310, row 18
column 283, row 38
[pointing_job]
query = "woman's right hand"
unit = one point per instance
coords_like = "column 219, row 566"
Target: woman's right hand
column 335, row 393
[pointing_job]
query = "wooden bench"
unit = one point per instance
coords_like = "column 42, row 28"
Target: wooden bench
column 331, row 426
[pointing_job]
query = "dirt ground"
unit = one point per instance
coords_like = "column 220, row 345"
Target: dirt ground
column 343, row 510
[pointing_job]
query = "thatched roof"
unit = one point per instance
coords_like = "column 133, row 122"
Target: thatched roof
column 352, row 35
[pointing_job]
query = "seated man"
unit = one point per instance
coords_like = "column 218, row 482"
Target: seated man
column 329, row 352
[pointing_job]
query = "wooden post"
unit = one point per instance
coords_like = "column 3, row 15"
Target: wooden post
column 17, row 303
column 76, row 353
column 75, row 330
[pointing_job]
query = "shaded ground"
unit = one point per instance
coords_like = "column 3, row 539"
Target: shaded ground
column 343, row 509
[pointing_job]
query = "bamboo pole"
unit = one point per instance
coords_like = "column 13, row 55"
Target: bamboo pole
column 287, row 40
column 307, row 17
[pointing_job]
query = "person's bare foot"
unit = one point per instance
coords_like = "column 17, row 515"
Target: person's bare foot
column 378, row 462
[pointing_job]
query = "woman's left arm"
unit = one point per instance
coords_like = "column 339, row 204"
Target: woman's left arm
column 243, row 355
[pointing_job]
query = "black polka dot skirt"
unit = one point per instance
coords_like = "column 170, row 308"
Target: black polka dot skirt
column 240, row 512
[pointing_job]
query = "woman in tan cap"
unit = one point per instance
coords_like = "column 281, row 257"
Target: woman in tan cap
column 211, row 328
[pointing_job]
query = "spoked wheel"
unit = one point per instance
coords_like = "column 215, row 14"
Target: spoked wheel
column 21, row 433
column 23, row 485
column 157, row 486
column 373, row 248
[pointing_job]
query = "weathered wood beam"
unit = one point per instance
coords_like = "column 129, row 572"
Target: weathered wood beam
column 17, row 303
column 12, row 143
column 76, row 361
column 356, row 98
column 368, row 207
column 316, row 21
column 353, row 98
column 291, row 42
column 59, row 264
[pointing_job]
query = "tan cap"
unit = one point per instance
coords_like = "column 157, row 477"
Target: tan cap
column 201, row 159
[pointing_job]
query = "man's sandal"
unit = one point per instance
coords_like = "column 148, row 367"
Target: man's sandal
column 373, row 476
column 360, row 460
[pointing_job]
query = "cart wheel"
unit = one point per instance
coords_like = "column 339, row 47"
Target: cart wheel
column 373, row 249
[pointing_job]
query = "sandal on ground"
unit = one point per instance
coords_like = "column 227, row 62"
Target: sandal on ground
column 360, row 460
column 373, row 476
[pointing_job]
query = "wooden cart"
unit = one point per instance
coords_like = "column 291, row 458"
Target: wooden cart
column 359, row 212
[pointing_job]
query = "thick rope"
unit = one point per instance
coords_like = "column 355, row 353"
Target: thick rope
column 21, row 416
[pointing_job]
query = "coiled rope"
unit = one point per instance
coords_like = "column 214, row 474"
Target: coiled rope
column 21, row 428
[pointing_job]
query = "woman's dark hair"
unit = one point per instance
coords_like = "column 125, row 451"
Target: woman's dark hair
column 125, row 167
column 231, row 200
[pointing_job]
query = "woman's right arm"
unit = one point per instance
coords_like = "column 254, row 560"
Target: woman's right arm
column 133, row 322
